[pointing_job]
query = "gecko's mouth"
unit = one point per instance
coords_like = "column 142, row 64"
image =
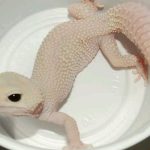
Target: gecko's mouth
column 15, row 111
column 21, row 111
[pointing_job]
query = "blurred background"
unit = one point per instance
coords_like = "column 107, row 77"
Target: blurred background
column 145, row 145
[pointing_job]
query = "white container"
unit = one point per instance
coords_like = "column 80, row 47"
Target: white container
column 111, row 110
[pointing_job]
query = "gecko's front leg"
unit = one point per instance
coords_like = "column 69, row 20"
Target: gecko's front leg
column 73, row 136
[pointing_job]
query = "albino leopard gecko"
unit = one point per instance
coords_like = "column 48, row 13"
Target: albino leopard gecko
column 65, row 52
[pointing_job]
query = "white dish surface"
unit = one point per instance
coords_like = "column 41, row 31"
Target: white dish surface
column 104, row 102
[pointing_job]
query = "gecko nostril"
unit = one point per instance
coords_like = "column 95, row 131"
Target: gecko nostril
column 14, row 97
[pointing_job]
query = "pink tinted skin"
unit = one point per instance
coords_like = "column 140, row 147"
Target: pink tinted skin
column 70, row 47
column 107, row 43
column 85, row 35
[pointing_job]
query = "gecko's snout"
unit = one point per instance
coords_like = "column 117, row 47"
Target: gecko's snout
column 19, row 95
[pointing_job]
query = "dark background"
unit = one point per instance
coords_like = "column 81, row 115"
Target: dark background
column 145, row 145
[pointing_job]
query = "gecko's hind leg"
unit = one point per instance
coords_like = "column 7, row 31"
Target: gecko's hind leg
column 111, row 52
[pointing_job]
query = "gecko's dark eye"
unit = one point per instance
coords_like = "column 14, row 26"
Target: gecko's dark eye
column 14, row 97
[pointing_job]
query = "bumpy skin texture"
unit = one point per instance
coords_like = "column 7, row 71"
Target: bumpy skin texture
column 67, row 50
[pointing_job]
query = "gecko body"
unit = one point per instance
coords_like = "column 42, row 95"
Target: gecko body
column 64, row 53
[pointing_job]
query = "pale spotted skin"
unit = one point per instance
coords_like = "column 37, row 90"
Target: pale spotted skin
column 65, row 52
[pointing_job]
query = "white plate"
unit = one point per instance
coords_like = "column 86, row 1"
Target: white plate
column 104, row 102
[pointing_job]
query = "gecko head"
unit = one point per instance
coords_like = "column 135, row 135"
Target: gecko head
column 85, row 9
column 19, row 96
